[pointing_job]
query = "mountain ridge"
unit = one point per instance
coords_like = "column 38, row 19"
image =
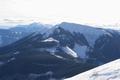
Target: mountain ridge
column 63, row 51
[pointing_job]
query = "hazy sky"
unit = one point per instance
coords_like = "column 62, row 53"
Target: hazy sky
column 96, row 12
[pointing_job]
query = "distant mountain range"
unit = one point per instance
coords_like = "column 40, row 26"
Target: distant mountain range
column 59, row 52
column 8, row 36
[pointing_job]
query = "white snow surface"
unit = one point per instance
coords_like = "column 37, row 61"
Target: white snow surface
column 69, row 51
column 81, row 50
column 109, row 71
column 50, row 40
column 59, row 56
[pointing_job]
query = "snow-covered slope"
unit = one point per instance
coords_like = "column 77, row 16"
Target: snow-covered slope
column 95, row 44
column 81, row 50
column 69, row 51
column 109, row 71
column 91, row 34
column 50, row 40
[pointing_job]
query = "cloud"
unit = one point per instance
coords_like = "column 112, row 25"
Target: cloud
column 49, row 11
column 15, row 21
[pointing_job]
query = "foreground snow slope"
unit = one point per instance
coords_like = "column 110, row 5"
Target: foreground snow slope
column 109, row 71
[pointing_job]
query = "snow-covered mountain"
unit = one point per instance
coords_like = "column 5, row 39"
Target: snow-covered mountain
column 63, row 51
column 96, row 44
column 109, row 71
column 36, row 58
column 8, row 36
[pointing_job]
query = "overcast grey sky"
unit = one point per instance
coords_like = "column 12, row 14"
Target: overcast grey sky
column 96, row 12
